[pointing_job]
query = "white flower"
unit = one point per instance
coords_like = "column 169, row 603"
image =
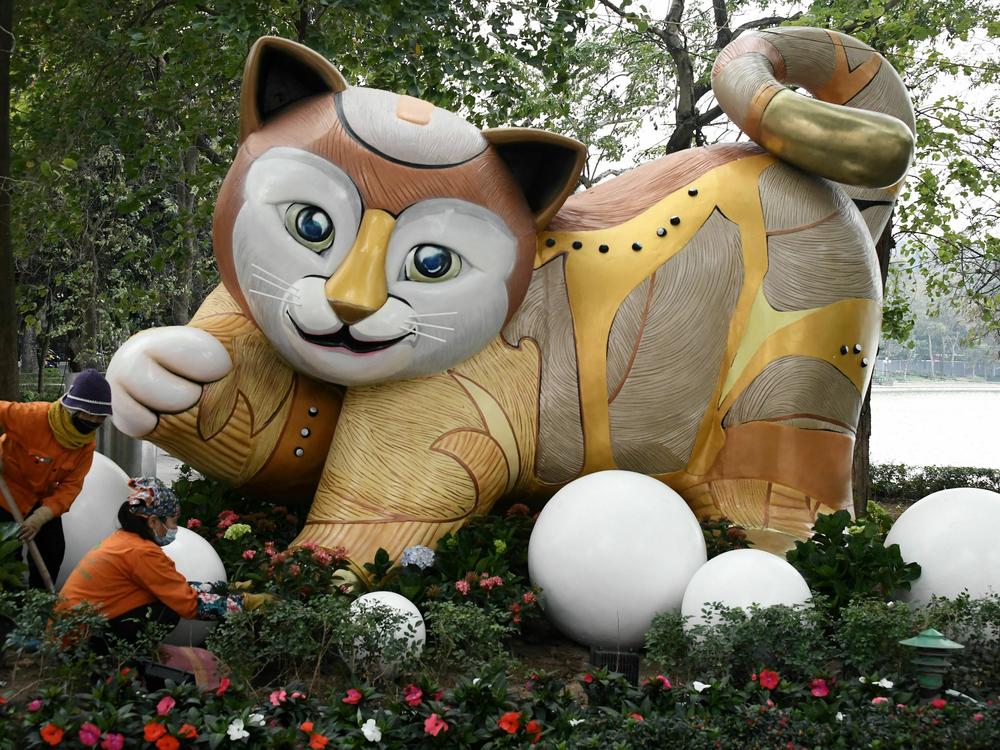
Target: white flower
column 885, row 683
column 419, row 556
column 236, row 730
column 476, row 680
column 700, row 686
column 575, row 722
column 256, row 720
column 839, row 716
column 862, row 680
column 371, row 731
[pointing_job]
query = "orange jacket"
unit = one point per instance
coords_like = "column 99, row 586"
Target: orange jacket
column 35, row 466
column 126, row 571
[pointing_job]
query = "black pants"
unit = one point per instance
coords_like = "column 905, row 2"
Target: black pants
column 129, row 626
column 51, row 543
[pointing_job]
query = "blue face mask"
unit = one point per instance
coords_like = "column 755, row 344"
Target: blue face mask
column 167, row 538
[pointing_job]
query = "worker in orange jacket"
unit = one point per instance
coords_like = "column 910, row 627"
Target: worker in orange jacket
column 47, row 449
column 132, row 581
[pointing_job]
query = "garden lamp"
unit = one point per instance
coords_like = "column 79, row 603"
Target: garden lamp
column 932, row 658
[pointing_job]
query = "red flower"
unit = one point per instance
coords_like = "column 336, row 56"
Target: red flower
column 529, row 597
column 223, row 686
column 153, row 731
column 769, row 679
column 353, row 697
column 939, row 703
column 977, row 717
column 434, row 725
column 113, row 741
column 413, row 696
column 306, row 726
column 510, row 722
column 51, row 734
column 193, row 523
column 588, row 678
column 90, row 734
column 165, row 705
column 318, row 741
column 637, row 717
column 535, row 729
column 664, row 682
column 878, row 700
column 167, row 743
column 819, row 688
column 188, row 732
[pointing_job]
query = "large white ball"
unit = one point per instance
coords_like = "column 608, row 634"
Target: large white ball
column 741, row 579
column 410, row 628
column 611, row 550
column 196, row 560
column 952, row 534
column 94, row 513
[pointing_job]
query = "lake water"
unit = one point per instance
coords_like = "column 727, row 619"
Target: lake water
column 946, row 425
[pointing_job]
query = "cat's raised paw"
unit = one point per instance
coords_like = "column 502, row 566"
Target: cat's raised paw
column 161, row 371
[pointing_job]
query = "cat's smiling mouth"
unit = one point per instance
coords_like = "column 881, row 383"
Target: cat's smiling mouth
column 343, row 339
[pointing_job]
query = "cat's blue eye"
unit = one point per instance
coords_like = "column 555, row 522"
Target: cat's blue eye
column 431, row 263
column 310, row 226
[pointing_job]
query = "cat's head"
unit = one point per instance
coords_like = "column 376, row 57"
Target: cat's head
column 372, row 236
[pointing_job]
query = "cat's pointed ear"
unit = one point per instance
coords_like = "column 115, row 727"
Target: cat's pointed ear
column 279, row 72
column 546, row 166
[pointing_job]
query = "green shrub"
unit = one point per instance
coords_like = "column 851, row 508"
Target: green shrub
column 975, row 623
column 12, row 568
column 902, row 482
column 868, row 634
column 722, row 535
column 461, row 633
column 847, row 559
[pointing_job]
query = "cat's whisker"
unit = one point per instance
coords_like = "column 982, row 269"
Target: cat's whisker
column 415, row 332
column 287, row 299
column 288, row 289
column 272, row 275
column 432, row 315
column 429, row 325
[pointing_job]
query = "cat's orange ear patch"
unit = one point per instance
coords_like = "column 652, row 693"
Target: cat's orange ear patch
column 280, row 72
column 545, row 165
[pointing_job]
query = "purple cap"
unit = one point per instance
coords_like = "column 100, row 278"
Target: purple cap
column 89, row 393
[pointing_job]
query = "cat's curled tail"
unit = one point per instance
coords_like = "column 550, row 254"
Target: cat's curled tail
column 857, row 131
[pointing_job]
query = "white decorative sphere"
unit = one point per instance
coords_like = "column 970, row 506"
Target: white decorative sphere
column 410, row 628
column 741, row 579
column 94, row 514
column 952, row 534
column 196, row 560
column 610, row 550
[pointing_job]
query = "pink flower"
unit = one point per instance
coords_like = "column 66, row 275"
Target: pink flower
column 249, row 554
column 165, row 705
column 878, row 700
column 353, row 697
column 637, row 717
column 295, row 569
column 269, row 549
column 664, row 682
column 462, row 587
column 413, row 695
column 769, row 679
column 278, row 697
column 36, row 705
column 488, row 582
column 297, row 694
column 939, row 703
column 223, row 686
column 113, row 741
column 977, row 717
column 90, row 734
column 227, row 518
column 193, row 523
column 819, row 688
column 529, row 597
column 434, row 725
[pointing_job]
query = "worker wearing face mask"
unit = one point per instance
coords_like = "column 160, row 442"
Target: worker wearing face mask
column 131, row 580
column 47, row 449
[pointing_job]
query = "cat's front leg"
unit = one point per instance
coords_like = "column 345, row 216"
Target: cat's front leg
column 162, row 371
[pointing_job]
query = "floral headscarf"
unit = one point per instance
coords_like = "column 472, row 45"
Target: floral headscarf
column 151, row 497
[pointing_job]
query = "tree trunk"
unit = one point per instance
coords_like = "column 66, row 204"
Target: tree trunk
column 181, row 306
column 9, row 375
column 861, row 469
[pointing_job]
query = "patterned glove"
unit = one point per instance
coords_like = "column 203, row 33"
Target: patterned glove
column 33, row 523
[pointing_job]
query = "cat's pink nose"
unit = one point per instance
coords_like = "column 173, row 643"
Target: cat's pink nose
column 351, row 314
